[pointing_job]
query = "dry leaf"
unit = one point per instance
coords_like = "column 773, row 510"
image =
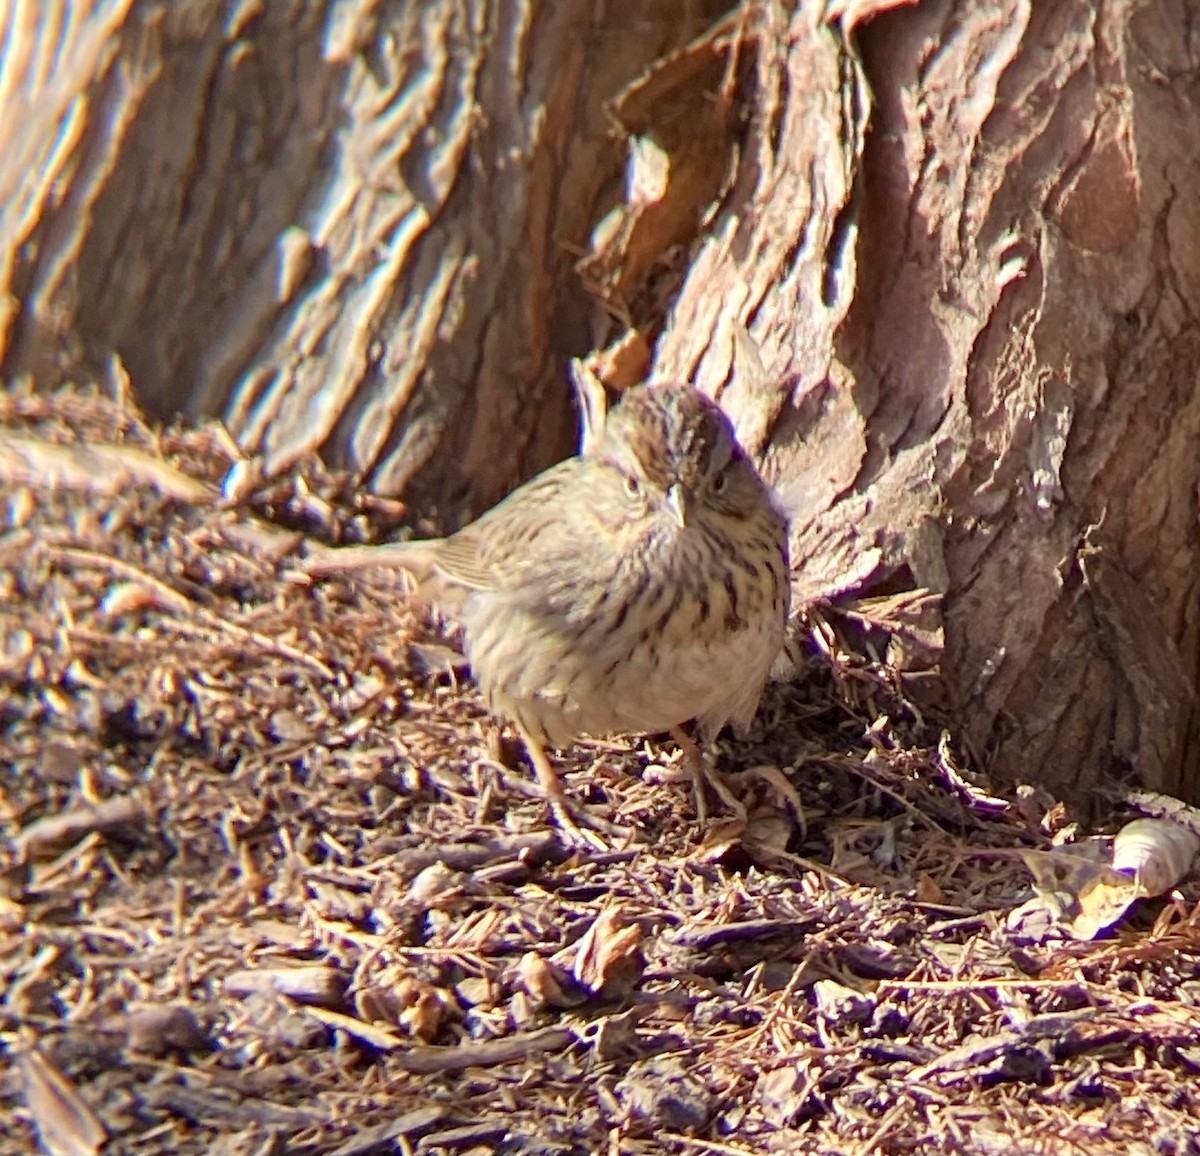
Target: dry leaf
column 543, row 982
column 610, row 952
column 781, row 787
column 623, row 362
column 720, row 838
column 1083, row 896
column 975, row 795
column 768, row 832
column 1038, row 919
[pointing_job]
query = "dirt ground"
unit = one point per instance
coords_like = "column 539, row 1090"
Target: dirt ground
column 271, row 881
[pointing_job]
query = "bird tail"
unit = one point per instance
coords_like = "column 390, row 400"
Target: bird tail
column 414, row 558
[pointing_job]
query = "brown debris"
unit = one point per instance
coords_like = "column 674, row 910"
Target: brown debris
column 156, row 1029
column 609, row 960
column 79, row 821
column 316, row 984
column 270, row 879
column 380, row 1137
column 66, row 1126
column 93, row 469
column 665, row 1093
column 519, row 1047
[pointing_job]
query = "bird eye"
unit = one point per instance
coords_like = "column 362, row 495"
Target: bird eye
column 632, row 486
column 721, row 482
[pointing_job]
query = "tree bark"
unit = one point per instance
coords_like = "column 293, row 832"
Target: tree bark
column 1030, row 339
column 938, row 262
column 345, row 227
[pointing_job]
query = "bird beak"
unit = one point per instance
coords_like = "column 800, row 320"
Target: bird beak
column 677, row 503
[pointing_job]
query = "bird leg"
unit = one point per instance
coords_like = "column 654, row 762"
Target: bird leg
column 703, row 772
column 566, row 814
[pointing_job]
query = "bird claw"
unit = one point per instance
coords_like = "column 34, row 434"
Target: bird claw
column 582, row 831
column 705, row 774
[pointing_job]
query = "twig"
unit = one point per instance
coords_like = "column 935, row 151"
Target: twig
column 427, row 1061
column 178, row 603
column 213, row 623
column 707, row 1145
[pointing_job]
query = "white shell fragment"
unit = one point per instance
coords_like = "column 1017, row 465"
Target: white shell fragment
column 1157, row 853
column 1080, row 896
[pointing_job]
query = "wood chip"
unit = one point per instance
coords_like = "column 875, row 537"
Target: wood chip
column 381, row 1138
column 93, row 469
column 316, row 984
column 54, row 830
column 155, row 1029
column 66, row 1125
column 486, row 1053
column 464, row 1136
column 375, row 1037
column 223, row 1110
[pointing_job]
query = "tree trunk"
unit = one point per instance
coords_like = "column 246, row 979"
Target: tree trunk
column 931, row 259
column 345, row 227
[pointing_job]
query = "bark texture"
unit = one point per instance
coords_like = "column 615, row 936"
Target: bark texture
column 938, row 261
column 346, row 227
column 1026, row 349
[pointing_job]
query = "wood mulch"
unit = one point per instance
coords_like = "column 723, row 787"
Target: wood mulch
column 271, row 880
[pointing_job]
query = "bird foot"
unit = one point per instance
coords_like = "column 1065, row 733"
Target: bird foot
column 581, row 830
column 704, row 774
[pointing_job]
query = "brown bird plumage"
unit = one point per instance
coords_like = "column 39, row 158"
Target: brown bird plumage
column 625, row 591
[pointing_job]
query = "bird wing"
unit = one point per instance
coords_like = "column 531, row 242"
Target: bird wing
column 460, row 560
column 515, row 541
